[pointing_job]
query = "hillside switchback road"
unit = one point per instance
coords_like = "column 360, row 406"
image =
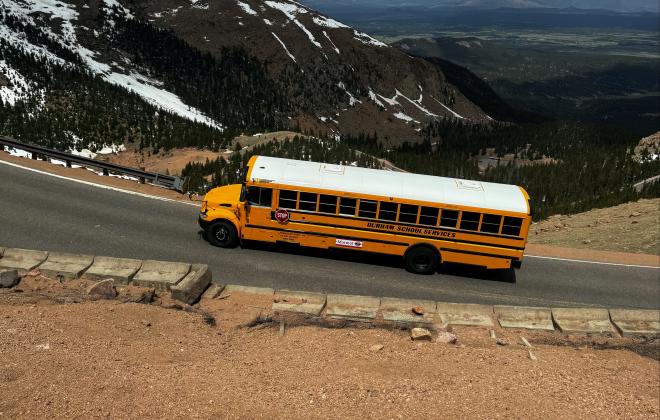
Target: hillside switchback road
column 38, row 211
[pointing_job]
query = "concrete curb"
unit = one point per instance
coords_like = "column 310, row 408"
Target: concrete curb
column 524, row 317
column 193, row 284
column 190, row 280
column 213, row 291
column 161, row 275
column 401, row 311
column 635, row 322
column 465, row 314
column 22, row 260
column 66, row 266
column 122, row 270
column 353, row 308
column 300, row 302
column 583, row 320
column 234, row 288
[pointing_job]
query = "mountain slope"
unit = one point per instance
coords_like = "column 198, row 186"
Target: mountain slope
column 224, row 67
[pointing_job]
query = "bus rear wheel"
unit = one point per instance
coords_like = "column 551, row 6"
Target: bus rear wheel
column 222, row 234
column 421, row 260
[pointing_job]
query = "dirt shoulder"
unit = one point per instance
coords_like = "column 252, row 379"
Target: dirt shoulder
column 111, row 359
column 628, row 228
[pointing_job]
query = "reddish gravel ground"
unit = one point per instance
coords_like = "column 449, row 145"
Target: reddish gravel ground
column 100, row 359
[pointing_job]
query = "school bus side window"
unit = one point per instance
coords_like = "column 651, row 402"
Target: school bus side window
column 428, row 216
column 347, row 206
column 328, row 204
column 470, row 220
column 491, row 223
column 262, row 197
column 408, row 213
column 511, row 226
column 387, row 211
column 449, row 218
column 368, row 209
column 307, row 201
column 288, row 199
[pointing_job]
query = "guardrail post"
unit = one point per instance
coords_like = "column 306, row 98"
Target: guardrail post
column 105, row 172
column 142, row 180
column 34, row 156
column 68, row 163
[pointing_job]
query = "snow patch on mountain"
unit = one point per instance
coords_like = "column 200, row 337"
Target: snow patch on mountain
column 62, row 16
column 328, row 22
column 334, row 47
column 285, row 48
column 17, row 87
column 246, row 8
column 368, row 40
column 449, row 109
column 291, row 11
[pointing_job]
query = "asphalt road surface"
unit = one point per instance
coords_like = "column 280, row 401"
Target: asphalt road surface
column 43, row 212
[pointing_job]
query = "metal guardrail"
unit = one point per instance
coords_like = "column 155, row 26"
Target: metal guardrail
column 167, row 181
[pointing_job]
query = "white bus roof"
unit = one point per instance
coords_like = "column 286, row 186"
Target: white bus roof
column 402, row 185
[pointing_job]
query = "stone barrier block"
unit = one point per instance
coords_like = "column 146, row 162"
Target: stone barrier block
column 355, row 308
column 66, row 266
column 524, row 317
column 634, row 322
column 465, row 314
column 235, row 288
column 299, row 302
column 122, row 270
column 193, row 284
column 401, row 310
column 161, row 275
column 582, row 320
column 22, row 260
column 213, row 291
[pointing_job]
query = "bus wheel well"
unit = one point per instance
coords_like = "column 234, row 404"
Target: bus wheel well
column 425, row 245
column 422, row 258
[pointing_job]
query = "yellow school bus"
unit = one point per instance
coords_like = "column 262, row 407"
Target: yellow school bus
column 426, row 220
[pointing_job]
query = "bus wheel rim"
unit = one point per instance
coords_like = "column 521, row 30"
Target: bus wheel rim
column 221, row 234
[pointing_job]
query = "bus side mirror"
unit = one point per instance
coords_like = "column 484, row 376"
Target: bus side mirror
column 244, row 192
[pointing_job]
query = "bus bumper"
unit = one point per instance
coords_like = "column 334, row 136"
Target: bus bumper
column 516, row 263
column 202, row 223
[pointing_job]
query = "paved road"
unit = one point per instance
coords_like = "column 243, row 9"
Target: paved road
column 42, row 212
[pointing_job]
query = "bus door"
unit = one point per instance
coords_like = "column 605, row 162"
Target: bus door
column 258, row 206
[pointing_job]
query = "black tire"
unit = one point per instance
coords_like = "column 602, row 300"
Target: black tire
column 421, row 260
column 222, row 234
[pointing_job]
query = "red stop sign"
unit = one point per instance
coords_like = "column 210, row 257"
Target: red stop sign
column 282, row 215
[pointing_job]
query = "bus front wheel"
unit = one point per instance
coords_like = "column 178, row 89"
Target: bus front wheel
column 222, row 234
column 421, row 260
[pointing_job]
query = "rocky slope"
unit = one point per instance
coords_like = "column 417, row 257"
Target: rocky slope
column 226, row 67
